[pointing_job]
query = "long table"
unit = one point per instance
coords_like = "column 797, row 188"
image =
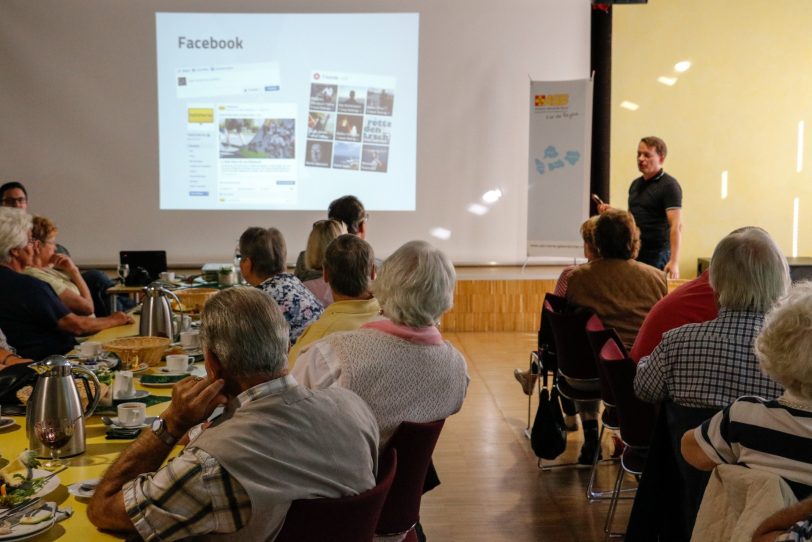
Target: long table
column 98, row 456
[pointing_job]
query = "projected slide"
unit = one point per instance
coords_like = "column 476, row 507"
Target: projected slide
column 287, row 111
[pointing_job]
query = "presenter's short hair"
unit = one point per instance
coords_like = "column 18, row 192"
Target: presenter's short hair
column 266, row 248
column 748, row 271
column 657, row 143
column 349, row 261
column 350, row 211
column 616, row 235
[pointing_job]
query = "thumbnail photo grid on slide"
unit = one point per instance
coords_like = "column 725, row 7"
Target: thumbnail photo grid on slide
column 349, row 127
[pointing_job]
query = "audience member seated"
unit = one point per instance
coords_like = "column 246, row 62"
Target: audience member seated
column 771, row 434
column 276, row 442
column 8, row 355
column 348, row 210
column 590, row 253
column 620, row 291
column 713, row 363
column 36, row 322
column 14, row 194
column 691, row 303
column 263, row 265
column 400, row 364
column 323, row 233
column 348, row 269
column 58, row 270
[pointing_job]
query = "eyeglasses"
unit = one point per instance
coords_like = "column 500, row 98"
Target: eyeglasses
column 13, row 202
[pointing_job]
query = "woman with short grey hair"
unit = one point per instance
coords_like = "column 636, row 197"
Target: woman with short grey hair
column 400, row 364
column 263, row 255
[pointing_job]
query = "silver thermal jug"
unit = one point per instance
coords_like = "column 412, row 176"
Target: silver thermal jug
column 55, row 397
column 157, row 319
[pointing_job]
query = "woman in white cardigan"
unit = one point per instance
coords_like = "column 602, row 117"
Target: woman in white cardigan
column 400, row 364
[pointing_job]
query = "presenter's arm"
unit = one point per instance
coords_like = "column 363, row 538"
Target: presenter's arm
column 674, row 217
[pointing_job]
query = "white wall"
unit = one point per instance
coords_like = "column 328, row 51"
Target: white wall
column 79, row 123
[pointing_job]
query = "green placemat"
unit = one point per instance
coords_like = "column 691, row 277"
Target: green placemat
column 149, row 400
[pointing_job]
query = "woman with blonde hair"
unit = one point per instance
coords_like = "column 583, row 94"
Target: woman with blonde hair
column 322, row 234
column 58, row 270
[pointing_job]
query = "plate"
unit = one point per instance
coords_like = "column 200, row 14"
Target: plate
column 5, row 422
column 24, row 532
column 49, row 486
column 76, row 489
column 139, row 394
column 140, row 369
column 161, row 380
column 166, row 372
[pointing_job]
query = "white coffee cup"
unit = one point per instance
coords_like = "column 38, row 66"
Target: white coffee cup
column 124, row 385
column 168, row 276
column 190, row 339
column 90, row 349
column 131, row 414
column 178, row 363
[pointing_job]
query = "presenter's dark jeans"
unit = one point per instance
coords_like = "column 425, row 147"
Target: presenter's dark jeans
column 655, row 257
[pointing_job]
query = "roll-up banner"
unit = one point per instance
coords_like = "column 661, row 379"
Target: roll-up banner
column 559, row 167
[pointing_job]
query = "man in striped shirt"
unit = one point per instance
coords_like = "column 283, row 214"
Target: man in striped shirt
column 773, row 435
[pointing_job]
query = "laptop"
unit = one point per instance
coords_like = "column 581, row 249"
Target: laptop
column 145, row 265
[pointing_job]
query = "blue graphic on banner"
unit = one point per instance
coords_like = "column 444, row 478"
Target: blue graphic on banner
column 572, row 157
column 540, row 166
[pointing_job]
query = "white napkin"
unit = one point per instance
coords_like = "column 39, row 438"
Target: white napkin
column 123, row 385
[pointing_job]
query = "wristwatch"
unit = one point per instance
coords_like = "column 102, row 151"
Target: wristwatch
column 159, row 428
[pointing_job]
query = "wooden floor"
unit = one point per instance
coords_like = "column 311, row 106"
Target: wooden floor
column 492, row 489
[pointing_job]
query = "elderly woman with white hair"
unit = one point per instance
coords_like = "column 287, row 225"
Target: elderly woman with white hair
column 400, row 365
column 35, row 321
column 772, row 434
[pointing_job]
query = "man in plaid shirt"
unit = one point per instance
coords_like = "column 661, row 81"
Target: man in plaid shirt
column 276, row 441
column 711, row 364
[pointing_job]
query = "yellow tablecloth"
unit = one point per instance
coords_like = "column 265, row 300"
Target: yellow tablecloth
column 98, row 456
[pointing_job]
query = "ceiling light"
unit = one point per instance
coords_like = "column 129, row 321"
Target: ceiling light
column 667, row 80
column 682, row 66
column 441, row 233
column 477, row 209
column 492, row 196
column 631, row 106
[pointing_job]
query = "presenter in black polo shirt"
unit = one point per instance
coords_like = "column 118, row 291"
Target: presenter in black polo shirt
column 655, row 201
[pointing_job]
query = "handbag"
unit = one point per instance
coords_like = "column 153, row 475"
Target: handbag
column 12, row 379
column 549, row 434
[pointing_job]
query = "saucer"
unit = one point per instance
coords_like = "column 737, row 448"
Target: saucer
column 166, row 372
column 139, row 394
column 6, row 422
column 77, row 491
column 147, row 422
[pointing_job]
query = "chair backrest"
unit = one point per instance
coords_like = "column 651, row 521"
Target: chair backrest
column 546, row 341
column 598, row 338
column 575, row 358
column 414, row 443
column 346, row 519
column 636, row 417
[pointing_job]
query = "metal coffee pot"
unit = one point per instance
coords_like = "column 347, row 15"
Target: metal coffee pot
column 55, row 397
column 157, row 319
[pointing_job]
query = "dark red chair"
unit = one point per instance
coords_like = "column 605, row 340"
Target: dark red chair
column 346, row 519
column 637, row 418
column 414, row 443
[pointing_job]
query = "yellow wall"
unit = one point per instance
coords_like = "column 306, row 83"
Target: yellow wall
column 737, row 109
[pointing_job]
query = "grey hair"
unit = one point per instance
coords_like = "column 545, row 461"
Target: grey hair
column 415, row 285
column 246, row 330
column 14, row 227
column 785, row 341
column 748, row 271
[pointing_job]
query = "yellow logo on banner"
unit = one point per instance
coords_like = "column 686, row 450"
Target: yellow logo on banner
column 552, row 100
column 200, row 115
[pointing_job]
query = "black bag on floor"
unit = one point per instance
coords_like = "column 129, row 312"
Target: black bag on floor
column 549, row 434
